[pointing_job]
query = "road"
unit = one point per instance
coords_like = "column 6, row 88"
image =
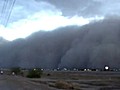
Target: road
column 20, row 83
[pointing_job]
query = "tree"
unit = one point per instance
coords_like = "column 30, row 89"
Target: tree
column 35, row 73
column 16, row 70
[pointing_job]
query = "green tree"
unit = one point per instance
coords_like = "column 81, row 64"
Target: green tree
column 35, row 73
column 16, row 70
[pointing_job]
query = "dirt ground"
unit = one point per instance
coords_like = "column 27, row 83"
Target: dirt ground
column 63, row 80
column 8, row 82
column 80, row 80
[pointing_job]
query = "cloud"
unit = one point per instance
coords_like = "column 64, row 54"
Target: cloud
column 88, row 8
column 90, row 46
column 110, row 7
column 85, row 8
column 29, row 16
column 47, row 17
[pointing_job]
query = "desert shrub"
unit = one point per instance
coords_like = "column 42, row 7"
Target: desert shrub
column 63, row 85
column 35, row 73
column 16, row 70
column 48, row 74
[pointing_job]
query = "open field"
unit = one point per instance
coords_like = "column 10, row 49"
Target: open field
column 8, row 82
column 63, row 80
column 79, row 80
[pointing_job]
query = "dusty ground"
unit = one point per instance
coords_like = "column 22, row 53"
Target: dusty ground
column 20, row 83
column 83, row 80
column 77, row 79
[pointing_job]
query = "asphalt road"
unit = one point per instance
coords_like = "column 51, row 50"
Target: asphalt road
column 20, row 83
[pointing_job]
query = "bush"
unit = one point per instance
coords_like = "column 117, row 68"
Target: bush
column 16, row 70
column 63, row 85
column 48, row 74
column 34, row 73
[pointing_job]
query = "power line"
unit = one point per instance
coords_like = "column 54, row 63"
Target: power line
column 5, row 3
column 7, row 11
column 10, row 12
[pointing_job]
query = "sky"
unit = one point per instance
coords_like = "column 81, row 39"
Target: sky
column 29, row 16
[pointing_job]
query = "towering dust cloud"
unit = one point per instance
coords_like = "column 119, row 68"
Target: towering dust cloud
column 90, row 46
